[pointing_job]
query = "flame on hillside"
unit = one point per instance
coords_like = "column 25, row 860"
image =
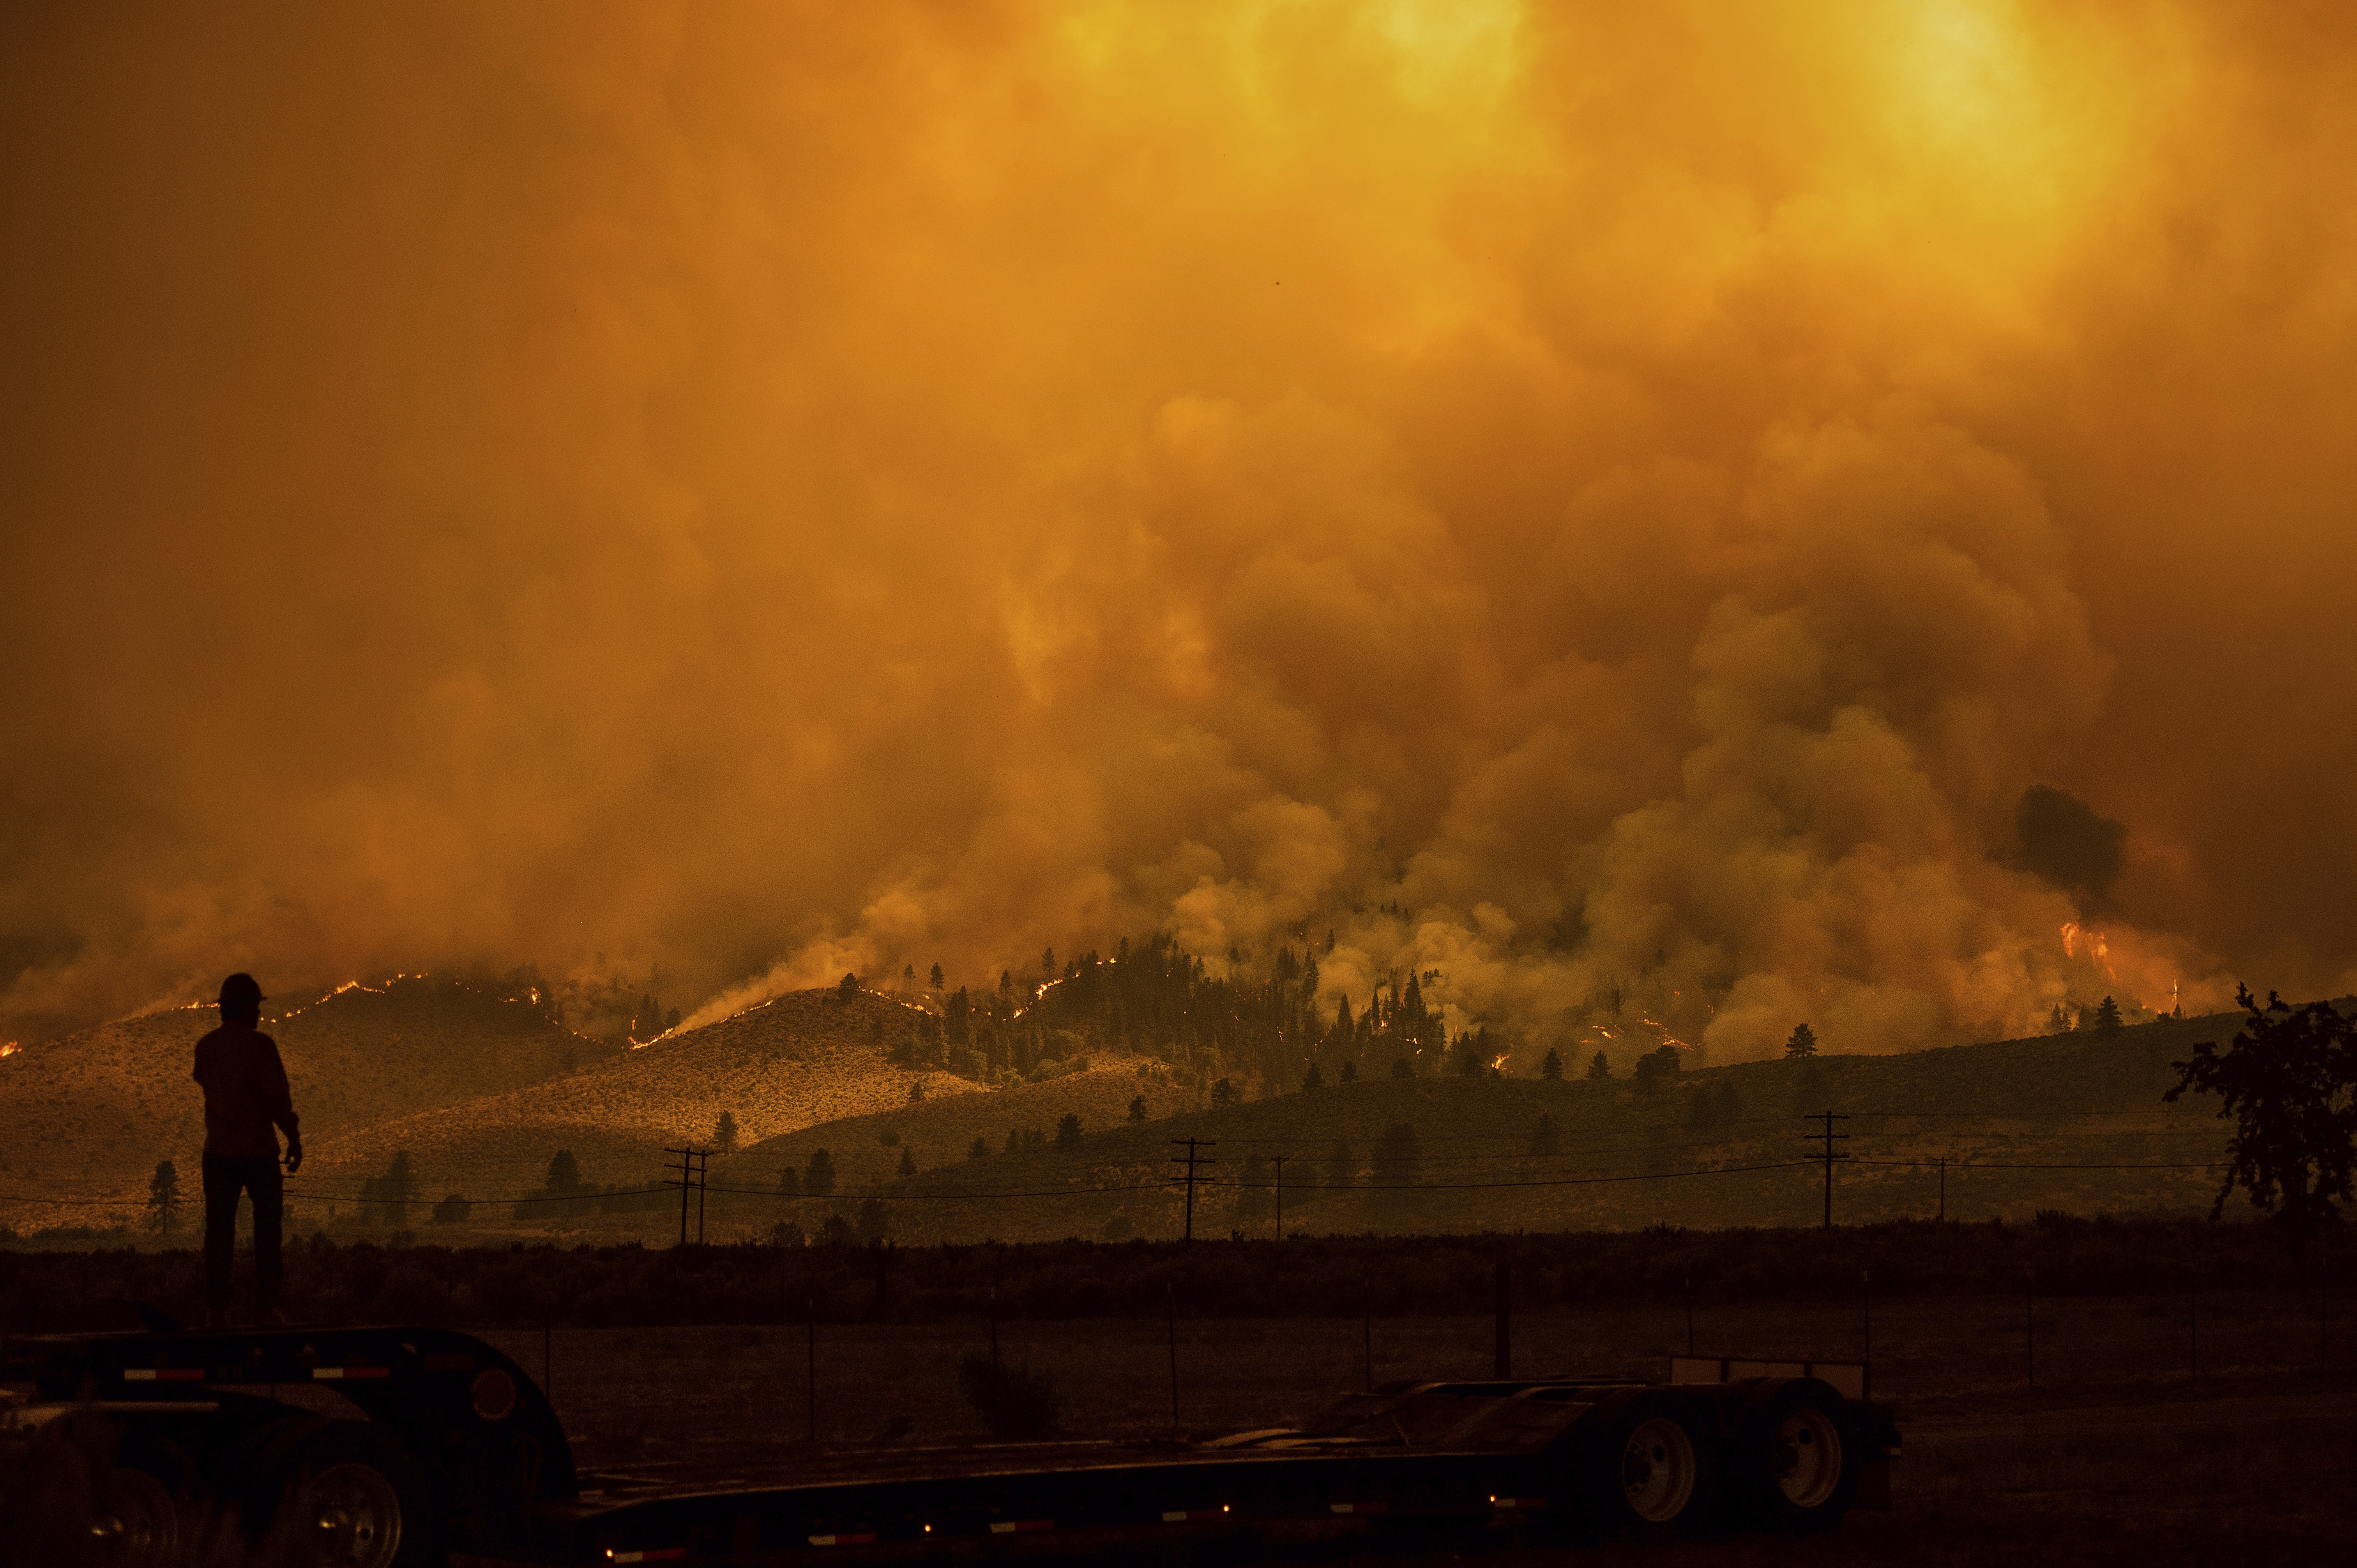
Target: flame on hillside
column 9, row 1050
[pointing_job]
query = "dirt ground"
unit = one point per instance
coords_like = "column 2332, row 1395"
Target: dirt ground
column 2119, row 1453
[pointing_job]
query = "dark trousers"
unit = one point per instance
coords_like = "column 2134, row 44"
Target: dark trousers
column 225, row 1175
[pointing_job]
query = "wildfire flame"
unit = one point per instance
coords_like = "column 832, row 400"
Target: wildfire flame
column 9, row 1050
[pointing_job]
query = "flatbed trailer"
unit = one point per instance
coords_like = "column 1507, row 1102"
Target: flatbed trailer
column 456, row 1448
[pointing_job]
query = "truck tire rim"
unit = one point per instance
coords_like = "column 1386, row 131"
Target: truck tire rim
column 138, row 1527
column 1808, row 1458
column 358, row 1513
column 1657, row 1470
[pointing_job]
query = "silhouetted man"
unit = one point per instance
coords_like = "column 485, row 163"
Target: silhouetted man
column 246, row 1101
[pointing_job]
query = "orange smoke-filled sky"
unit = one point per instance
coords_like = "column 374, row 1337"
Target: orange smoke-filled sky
column 766, row 489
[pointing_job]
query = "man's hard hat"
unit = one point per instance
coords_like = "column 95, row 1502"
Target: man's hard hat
column 239, row 991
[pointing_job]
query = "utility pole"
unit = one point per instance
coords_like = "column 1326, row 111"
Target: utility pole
column 1190, row 1159
column 1280, row 1196
column 691, row 1168
column 1828, row 1137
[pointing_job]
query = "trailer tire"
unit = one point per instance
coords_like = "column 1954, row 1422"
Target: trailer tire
column 348, row 1494
column 138, row 1523
column 1796, row 1460
column 1645, row 1463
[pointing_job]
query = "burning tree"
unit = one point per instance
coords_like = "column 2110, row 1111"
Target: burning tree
column 2289, row 1078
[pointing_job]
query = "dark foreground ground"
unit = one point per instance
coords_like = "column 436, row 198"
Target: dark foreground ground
column 2120, row 1454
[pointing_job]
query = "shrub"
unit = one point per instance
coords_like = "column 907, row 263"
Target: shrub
column 453, row 1211
column 1018, row 1401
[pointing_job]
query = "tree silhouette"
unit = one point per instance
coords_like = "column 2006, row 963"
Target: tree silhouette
column 937, row 977
column 1223, row 1094
column 1545, row 1139
column 790, row 1183
column 564, row 1172
column 847, row 987
column 1398, row 1160
column 908, row 1160
column 1403, row 1067
column 1600, row 1068
column 1350, row 1073
column 1657, row 1067
column 1068, row 1133
column 1048, row 963
column 1341, row 1169
column 1313, row 1079
column 1803, row 1042
column 818, row 1176
column 2289, row 1080
column 981, row 1150
column 164, row 1197
column 1552, row 1067
column 455, row 1209
column 724, row 1136
column 2108, row 1015
column 1137, row 1109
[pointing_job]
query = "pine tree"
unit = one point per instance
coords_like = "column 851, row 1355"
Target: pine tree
column 1552, row 1069
column 1403, row 1067
column 937, row 977
column 1803, row 1042
column 1545, row 1140
column 724, row 1136
column 818, row 1176
column 164, row 1197
column 2108, row 1015
column 1313, row 1079
column 1398, row 1162
column 1341, row 1169
column 1350, row 1073
column 1223, row 1092
column 790, row 1183
column 1068, row 1133
column 1137, row 1109
column 1600, row 1068
column 564, row 1172
column 1048, row 962
column 980, row 1151
column 908, row 1160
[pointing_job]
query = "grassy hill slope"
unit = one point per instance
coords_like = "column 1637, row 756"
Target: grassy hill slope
column 804, row 1057
column 83, row 1120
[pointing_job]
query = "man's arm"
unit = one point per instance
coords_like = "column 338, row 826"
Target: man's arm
column 282, row 1108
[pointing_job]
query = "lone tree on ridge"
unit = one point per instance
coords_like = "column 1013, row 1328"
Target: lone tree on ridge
column 1803, row 1042
column 2289, row 1080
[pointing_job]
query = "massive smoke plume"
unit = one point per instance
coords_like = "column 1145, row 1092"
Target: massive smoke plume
column 1550, row 493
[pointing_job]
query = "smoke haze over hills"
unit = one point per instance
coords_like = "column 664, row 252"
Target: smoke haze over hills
column 774, row 489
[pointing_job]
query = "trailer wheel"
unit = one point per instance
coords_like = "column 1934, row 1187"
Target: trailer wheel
column 342, row 1494
column 1645, row 1464
column 138, row 1523
column 1796, row 1467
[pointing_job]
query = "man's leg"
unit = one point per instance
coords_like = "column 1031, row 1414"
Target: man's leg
column 268, row 1185
column 221, row 1184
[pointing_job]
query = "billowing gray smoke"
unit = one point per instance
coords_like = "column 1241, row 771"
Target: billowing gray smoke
column 1639, row 492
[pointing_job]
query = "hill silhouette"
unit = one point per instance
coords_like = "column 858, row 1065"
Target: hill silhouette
column 83, row 1120
column 802, row 1058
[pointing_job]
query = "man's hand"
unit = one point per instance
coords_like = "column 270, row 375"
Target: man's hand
column 294, row 1155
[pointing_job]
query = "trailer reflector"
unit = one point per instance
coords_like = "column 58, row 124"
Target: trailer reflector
column 337, row 1374
column 1009, row 1526
column 846, row 1540
column 163, row 1374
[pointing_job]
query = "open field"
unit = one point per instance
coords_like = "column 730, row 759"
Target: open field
column 2119, row 1454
